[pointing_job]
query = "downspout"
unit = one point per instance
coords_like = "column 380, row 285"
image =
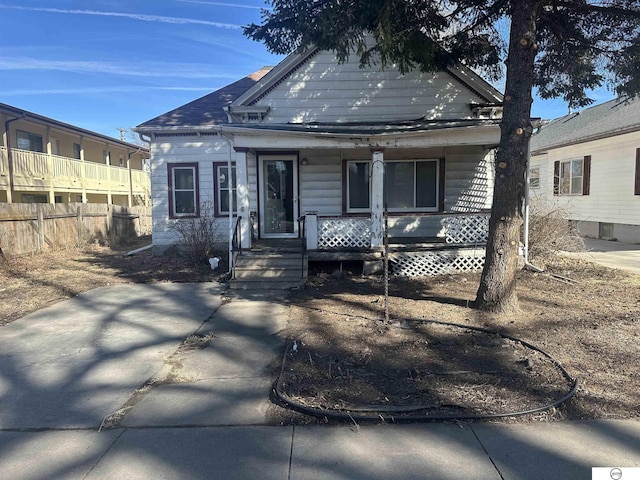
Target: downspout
column 10, row 155
column 231, row 186
column 527, row 201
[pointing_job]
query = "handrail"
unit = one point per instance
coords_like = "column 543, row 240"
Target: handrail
column 236, row 241
column 236, row 245
column 302, row 231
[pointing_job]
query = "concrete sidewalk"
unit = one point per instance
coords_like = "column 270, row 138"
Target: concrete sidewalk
column 204, row 413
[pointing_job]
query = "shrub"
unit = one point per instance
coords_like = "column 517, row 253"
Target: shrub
column 551, row 231
column 199, row 238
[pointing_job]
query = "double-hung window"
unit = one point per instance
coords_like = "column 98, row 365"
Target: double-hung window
column 183, row 190
column 29, row 141
column 410, row 186
column 358, row 187
column 534, row 177
column 571, row 177
column 225, row 186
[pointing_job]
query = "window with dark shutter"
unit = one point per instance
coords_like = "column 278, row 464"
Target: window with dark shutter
column 586, row 175
column 556, row 178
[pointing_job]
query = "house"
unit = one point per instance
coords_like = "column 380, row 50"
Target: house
column 43, row 160
column 587, row 164
column 317, row 149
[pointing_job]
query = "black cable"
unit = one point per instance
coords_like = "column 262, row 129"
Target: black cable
column 386, row 414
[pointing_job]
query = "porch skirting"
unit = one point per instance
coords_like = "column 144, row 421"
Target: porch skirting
column 436, row 262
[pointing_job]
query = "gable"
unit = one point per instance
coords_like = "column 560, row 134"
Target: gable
column 318, row 89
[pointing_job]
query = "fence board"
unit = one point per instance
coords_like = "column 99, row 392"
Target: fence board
column 27, row 228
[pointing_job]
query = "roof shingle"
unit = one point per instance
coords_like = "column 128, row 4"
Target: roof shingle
column 604, row 120
column 207, row 110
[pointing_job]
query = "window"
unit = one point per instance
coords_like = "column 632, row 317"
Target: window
column 29, row 141
column 571, row 177
column 534, row 177
column 76, row 150
column 409, row 186
column 183, row 190
column 222, row 185
column 358, row 187
column 34, row 198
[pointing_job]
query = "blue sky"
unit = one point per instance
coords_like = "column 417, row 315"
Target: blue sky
column 109, row 64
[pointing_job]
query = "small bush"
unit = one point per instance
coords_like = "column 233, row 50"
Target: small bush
column 551, row 232
column 199, row 238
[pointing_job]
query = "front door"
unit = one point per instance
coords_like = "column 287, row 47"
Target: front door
column 278, row 196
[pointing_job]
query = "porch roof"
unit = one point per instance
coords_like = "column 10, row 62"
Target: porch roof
column 357, row 128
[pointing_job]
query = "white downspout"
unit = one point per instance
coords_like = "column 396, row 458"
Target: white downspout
column 231, row 187
column 527, row 201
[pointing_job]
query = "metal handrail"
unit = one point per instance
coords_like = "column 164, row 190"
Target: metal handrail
column 236, row 244
column 302, row 231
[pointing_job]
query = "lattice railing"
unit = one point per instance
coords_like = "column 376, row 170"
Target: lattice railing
column 430, row 263
column 337, row 233
column 466, row 229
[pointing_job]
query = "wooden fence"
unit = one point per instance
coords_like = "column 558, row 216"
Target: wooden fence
column 28, row 228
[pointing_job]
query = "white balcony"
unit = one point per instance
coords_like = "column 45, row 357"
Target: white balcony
column 35, row 171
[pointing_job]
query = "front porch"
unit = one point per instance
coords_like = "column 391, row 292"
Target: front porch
column 458, row 246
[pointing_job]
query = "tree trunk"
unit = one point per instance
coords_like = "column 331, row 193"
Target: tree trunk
column 497, row 290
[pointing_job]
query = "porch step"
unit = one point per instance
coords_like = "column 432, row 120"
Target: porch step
column 275, row 271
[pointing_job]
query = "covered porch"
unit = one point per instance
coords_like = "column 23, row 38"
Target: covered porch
column 338, row 196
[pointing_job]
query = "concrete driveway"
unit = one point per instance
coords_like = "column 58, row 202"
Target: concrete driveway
column 623, row 256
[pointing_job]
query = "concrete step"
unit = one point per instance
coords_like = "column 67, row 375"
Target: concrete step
column 269, row 270
column 271, row 284
column 275, row 262
column 273, row 273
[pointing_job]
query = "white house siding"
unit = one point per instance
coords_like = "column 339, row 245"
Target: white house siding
column 611, row 198
column 203, row 150
column 322, row 90
column 321, row 182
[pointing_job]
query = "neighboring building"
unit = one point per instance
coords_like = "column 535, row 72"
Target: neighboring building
column 313, row 143
column 587, row 163
column 43, row 160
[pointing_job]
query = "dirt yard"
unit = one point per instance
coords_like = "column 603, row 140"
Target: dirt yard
column 348, row 358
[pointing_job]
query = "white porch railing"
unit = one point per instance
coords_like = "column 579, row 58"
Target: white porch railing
column 344, row 233
column 37, row 170
column 336, row 233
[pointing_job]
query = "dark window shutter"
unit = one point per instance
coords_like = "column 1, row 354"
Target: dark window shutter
column 556, row 178
column 586, row 175
column 441, row 185
column 637, row 189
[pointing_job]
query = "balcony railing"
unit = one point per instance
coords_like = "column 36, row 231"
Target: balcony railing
column 35, row 170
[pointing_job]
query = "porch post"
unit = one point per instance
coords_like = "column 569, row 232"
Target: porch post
column 311, row 226
column 242, row 196
column 377, row 197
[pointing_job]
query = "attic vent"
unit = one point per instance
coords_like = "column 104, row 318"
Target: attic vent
column 486, row 111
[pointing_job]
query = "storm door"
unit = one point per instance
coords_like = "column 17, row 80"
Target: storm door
column 278, row 177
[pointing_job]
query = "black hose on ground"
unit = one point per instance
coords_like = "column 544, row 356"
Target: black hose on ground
column 390, row 414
